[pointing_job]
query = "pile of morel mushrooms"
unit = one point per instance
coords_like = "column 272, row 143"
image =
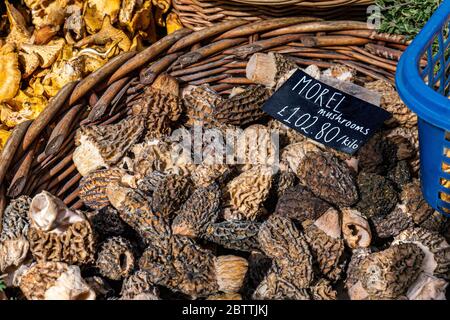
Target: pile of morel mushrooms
column 297, row 221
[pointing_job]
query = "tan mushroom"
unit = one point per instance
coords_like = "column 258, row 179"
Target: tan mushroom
column 356, row 229
column 55, row 281
column 95, row 11
column 47, row 53
column 9, row 72
column 105, row 35
column 18, row 29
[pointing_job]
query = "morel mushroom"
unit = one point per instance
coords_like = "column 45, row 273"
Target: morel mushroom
column 14, row 245
column 435, row 248
column 244, row 108
column 328, row 178
column 183, row 266
column 235, row 234
column 356, row 229
column 400, row 174
column 248, row 191
column 377, row 155
column 107, row 223
column 135, row 210
column 377, row 195
column 115, row 259
column 392, row 103
column 422, row 214
column 283, row 180
column 275, row 287
column 55, row 281
column 93, row 187
column 353, row 283
column 300, row 204
column 160, row 105
column 200, row 103
column 57, row 233
column 102, row 146
column 394, row 223
column 388, row 274
column 281, row 241
column 199, row 210
column 326, row 244
column 158, row 155
column 323, row 290
column 139, row 286
column 256, row 145
column 170, row 193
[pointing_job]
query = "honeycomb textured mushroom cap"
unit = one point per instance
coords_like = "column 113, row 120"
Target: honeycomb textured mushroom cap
column 93, row 187
column 327, row 250
column 323, row 290
column 199, row 210
column 243, row 108
column 170, row 193
column 200, row 102
column 388, row 274
column 391, row 102
column 230, row 273
column 249, row 190
column 435, row 248
column 160, row 105
column 188, row 268
column 15, row 220
column 236, row 234
column 377, row 195
column 137, row 285
column 300, row 204
column 287, row 246
column 115, row 259
column 54, row 280
column 328, row 178
column 275, row 287
column 393, row 223
column 135, row 210
column 14, row 245
column 102, row 146
column 107, row 223
column 76, row 245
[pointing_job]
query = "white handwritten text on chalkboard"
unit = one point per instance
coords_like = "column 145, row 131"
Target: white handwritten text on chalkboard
column 324, row 113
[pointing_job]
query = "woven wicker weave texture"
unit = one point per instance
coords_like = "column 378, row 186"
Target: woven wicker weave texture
column 214, row 56
column 197, row 14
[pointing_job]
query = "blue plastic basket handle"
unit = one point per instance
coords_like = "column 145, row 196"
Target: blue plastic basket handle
column 424, row 89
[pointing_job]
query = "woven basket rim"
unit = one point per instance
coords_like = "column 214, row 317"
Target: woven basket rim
column 214, row 56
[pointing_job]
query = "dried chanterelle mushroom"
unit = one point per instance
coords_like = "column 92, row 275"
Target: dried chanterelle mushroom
column 50, row 43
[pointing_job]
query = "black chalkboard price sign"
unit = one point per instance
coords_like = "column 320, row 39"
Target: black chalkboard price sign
column 325, row 114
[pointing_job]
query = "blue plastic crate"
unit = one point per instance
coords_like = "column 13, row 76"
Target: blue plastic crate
column 425, row 89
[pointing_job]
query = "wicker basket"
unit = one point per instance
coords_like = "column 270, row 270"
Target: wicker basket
column 38, row 156
column 197, row 14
